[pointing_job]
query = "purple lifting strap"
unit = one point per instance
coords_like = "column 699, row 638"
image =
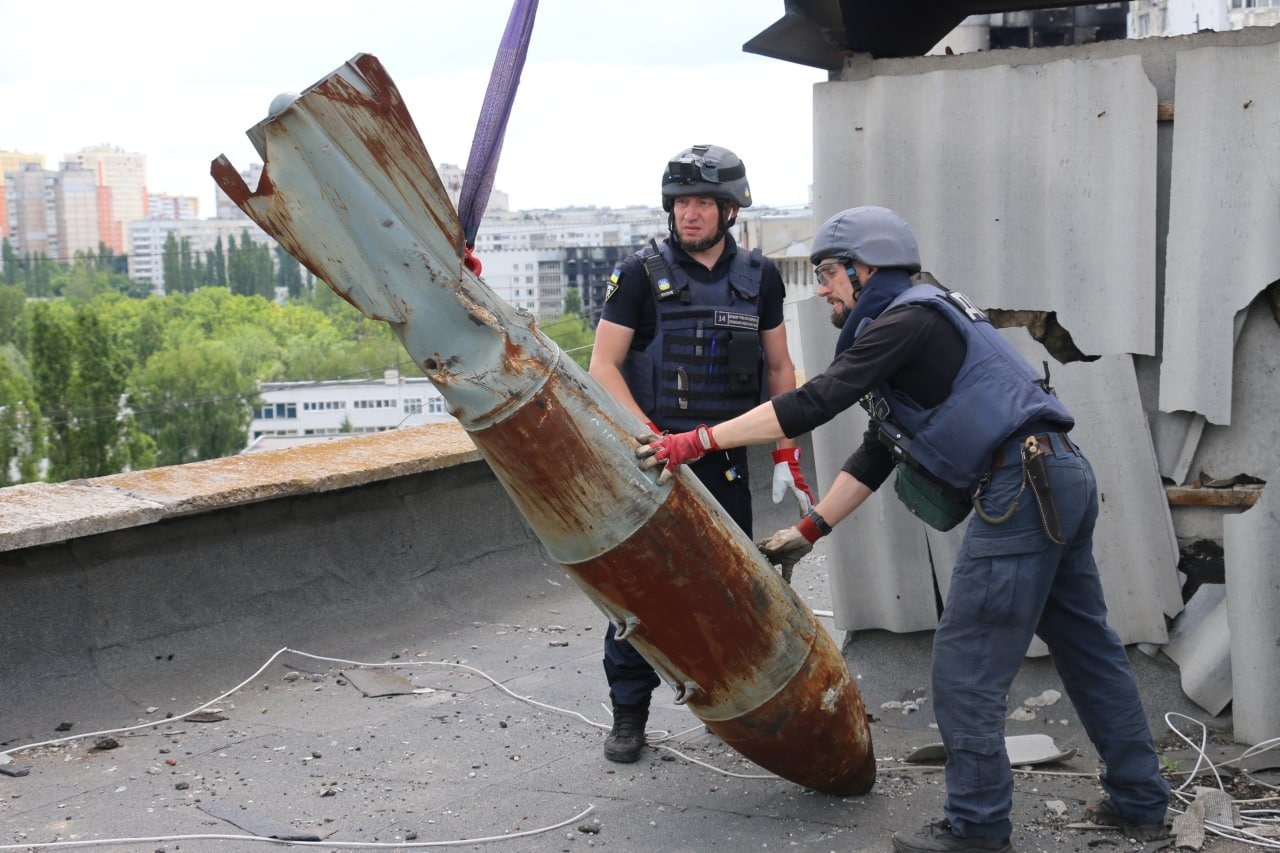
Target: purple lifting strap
column 491, row 127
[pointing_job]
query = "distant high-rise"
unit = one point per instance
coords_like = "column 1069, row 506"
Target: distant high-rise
column 164, row 206
column 11, row 161
column 32, row 220
column 75, row 202
column 122, row 190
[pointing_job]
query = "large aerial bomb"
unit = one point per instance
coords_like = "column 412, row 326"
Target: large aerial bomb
column 349, row 190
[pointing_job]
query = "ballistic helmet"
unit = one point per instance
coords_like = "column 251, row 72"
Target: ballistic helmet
column 876, row 236
column 706, row 170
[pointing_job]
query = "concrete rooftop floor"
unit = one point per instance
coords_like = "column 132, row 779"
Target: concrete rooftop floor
column 304, row 753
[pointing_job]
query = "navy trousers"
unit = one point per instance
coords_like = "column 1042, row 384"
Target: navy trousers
column 1010, row 582
column 631, row 678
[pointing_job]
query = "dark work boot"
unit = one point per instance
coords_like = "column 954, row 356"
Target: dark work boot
column 937, row 837
column 626, row 739
column 1103, row 812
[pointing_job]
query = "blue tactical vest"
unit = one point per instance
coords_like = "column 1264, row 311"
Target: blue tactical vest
column 705, row 363
column 995, row 392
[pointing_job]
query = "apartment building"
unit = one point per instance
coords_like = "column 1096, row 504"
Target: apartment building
column 148, row 236
column 1037, row 28
column 11, row 161
column 122, row 190
column 305, row 412
column 52, row 213
column 165, row 206
column 30, row 209
column 75, row 202
column 1181, row 17
column 532, row 258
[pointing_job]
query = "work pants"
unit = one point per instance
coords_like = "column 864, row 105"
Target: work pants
column 1010, row 582
column 631, row 678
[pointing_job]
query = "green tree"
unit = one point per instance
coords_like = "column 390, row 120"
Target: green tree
column 96, row 434
column 13, row 316
column 572, row 301
column 9, row 261
column 195, row 401
column 289, row 275
column 38, row 275
column 171, row 264
column 573, row 334
column 218, row 277
column 52, row 364
column 185, row 266
column 21, row 428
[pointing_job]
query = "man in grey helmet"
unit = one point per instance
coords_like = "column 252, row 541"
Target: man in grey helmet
column 956, row 410
column 692, row 332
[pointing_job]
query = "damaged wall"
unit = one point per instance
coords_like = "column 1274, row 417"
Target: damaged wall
column 1125, row 197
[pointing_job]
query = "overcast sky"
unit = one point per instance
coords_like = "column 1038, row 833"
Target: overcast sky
column 611, row 88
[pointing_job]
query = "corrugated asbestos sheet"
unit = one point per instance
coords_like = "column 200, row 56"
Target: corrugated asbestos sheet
column 1224, row 217
column 1251, row 444
column 1200, row 644
column 1252, row 544
column 1033, row 185
column 884, row 560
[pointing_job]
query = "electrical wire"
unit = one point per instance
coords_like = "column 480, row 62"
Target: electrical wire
column 1255, row 818
column 328, row 845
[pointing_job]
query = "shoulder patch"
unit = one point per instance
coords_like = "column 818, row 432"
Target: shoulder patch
column 612, row 287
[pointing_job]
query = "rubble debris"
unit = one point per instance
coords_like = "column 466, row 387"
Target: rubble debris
column 1044, row 700
column 378, row 682
column 1023, row 751
column 205, row 717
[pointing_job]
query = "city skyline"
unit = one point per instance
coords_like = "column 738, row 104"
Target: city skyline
column 607, row 117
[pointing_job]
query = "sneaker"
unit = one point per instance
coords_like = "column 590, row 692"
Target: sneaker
column 1103, row 813
column 937, row 837
column 626, row 739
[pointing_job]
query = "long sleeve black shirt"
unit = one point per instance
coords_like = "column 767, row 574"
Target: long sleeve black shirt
column 914, row 348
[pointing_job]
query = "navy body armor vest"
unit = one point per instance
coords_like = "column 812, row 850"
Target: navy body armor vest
column 705, row 363
column 995, row 392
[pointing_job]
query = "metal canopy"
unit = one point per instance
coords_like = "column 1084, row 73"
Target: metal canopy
column 822, row 33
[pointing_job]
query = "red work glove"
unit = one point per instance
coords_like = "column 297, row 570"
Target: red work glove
column 675, row 449
column 653, row 428
column 471, row 262
column 786, row 475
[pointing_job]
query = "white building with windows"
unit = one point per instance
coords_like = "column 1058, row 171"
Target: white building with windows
column 1182, row 17
column 295, row 413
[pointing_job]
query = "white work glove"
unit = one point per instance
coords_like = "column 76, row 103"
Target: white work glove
column 787, row 476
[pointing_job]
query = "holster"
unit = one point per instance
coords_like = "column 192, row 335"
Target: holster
column 1037, row 473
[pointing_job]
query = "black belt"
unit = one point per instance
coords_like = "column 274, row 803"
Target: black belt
column 1010, row 452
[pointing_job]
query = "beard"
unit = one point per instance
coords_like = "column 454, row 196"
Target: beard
column 840, row 315
column 700, row 245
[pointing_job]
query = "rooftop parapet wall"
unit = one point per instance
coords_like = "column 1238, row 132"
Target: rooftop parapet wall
column 43, row 513
column 129, row 581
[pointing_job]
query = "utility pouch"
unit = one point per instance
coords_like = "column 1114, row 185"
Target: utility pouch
column 939, row 505
column 744, row 362
column 1037, row 473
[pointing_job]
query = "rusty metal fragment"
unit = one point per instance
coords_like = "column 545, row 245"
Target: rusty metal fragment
column 349, row 189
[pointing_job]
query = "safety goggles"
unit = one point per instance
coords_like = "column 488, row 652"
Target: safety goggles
column 827, row 270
